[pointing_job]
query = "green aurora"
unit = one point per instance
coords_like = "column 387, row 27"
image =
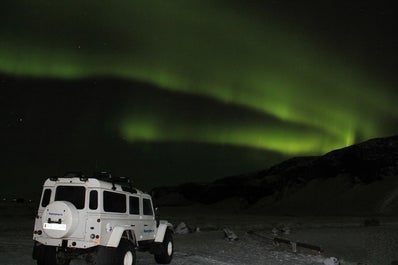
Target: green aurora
column 318, row 99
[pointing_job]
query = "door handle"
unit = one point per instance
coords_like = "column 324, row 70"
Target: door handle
column 54, row 222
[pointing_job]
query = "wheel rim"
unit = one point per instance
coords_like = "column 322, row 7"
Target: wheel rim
column 128, row 258
column 170, row 248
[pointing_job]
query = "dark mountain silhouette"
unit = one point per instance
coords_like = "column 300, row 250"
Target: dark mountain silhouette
column 359, row 179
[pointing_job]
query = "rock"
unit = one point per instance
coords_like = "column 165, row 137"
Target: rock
column 182, row 229
column 286, row 230
column 331, row 261
column 275, row 231
column 230, row 235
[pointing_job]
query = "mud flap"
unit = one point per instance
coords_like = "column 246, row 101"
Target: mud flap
column 37, row 248
column 156, row 248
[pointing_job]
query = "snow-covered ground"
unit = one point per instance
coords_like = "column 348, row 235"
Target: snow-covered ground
column 345, row 238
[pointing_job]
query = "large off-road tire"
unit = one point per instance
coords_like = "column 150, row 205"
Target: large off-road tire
column 126, row 253
column 166, row 249
column 105, row 256
column 46, row 255
column 62, row 261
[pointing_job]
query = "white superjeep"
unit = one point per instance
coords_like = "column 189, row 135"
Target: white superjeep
column 101, row 220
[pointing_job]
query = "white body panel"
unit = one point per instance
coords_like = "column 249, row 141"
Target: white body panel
column 95, row 225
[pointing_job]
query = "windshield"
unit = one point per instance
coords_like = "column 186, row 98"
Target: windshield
column 73, row 194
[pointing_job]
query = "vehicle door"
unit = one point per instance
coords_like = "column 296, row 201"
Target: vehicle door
column 135, row 216
column 148, row 219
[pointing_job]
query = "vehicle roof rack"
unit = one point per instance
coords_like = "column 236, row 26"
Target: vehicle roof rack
column 124, row 182
column 73, row 174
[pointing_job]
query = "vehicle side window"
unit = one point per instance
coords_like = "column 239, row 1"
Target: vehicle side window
column 114, row 202
column 46, row 197
column 147, row 207
column 134, row 205
column 93, row 200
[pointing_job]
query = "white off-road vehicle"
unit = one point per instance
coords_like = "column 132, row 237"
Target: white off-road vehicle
column 102, row 220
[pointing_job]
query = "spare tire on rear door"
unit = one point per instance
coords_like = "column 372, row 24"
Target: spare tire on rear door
column 60, row 219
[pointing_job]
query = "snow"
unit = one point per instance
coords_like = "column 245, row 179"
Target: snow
column 345, row 238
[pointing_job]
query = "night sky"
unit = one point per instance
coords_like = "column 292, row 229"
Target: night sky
column 176, row 91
